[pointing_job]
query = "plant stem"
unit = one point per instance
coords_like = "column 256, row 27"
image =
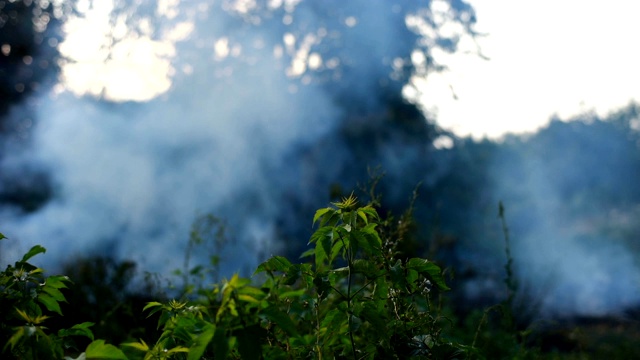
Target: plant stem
column 349, row 312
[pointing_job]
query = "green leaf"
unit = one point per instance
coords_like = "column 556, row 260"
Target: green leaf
column 250, row 294
column 381, row 291
column 281, row 319
column 201, row 342
column 54, row 293
column 293, row 274
column 78, row 330
column 24, row 315
column 358, row 241
column 33, row 252
column 338, row 247
column 366, row 267
column 275, row 263
column 50, row 303
column 411, row 277
column 15, row 338
column 308, row 253
column 2, row 236
column 99, row 350
column 324, row 238
column 363, row 216
column 151, row 304
column 323, row 287
column 370, row 212
column 426, row 267
column 237, row 282
column 397, row 275
column 320, row 213
column 376, row 318
column 372, row 234
column 333, row 321
column 178, row 349
column 57, row 281
column 142, row 346
column 293, row 293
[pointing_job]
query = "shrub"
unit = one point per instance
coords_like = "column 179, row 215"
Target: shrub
column 357, row 297
column 28, row 299
column 354, row 300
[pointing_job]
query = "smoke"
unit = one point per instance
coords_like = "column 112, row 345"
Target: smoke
column 253, row 83
column 273, row 103
column 570, row 195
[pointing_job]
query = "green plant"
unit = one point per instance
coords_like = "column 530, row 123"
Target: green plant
column 28, row 299
column 355, row 300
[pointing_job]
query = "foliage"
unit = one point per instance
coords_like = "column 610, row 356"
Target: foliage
column 354, row 300
column 110, row 294
column 358, row 297
column 28, row 299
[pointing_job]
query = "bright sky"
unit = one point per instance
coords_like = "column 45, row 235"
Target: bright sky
column 546, row 57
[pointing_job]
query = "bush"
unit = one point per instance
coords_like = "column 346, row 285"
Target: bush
column 28, row 299
column 355, row 299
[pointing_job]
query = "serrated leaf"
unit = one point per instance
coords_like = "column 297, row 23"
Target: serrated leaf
column 323, row 238
column 366, row 267
column 99, row 350
column 24, row 315
column 201, row 342
column 426, row 267
column 252, row 291
column 178, row 349
column 376, row 318
column 363, row 216
column 57, row 281
column 333, row 321
column 275, row 263
column 397, row 275
column 323, row 232
column 338, row 247
column 411, row 277
column 142, row 346
column 151, row 304
column 33, row 252
column 371, row 212
column 308, row 253
column 15, row 338
column 320, row 213
column 78, row 330
column 323, row 287
column 248, row 299
column 281, row 319
column 50, row 303
column 237, row 282
column 292, row 275
column 54, row 293
column 293, row 293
